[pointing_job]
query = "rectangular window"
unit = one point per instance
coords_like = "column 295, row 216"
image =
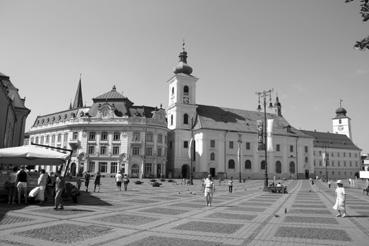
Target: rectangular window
column 185, row 144
column 113, row 167
column 103, row 167
column 115, row 150
column 91, row 167
column 344, row 154
column 52, row 139
column 104, row 136
column 66, row 137
column 350, row 154
column 103, row 150
column 212, row 143
column 42, row 140
column 278, row 147
column 170, row 145
column 116, row 136
column 136, row 151
column 248, row 146
column 136, row 136
column 291, row 148
column 91, row 149
column 59, row 138
column 306, row 149
column 149, row 137
column 148, row 169
column 91, row 136
column 149, row 151
column 46, row 140
column 338, row 154
column 160, row 138
column 231, row 144
column 159, row 151
column 75, row 135
column 32, row 140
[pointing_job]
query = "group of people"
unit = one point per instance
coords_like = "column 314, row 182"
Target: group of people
column 17, row 183
column 119, row 179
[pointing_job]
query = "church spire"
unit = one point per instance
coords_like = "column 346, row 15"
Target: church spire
column 78, row 101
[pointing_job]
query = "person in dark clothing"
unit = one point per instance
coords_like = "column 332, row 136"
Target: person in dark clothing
column 230, row 185
column 22, row 184
column 125, row 182
column 87, row 180
column 59, row 188
column 97, row 182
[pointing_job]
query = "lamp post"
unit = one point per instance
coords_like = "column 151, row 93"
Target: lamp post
column 264, row 94
column 239, row 154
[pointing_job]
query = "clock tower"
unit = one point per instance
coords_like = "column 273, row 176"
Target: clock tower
column 342, row 123
column 182, row 95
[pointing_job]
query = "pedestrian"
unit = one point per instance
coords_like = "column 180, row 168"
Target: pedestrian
column 42, row 182
column 22, row 184
column 59, row 189
column 230, row 185
column 329, row 184
column 12, row 185
column 209, row 190
column 340, row 204
column 125, row 182
column 97, row 182
column 118, row 180
column 87, row 180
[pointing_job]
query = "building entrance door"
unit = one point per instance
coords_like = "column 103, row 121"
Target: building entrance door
column 185, row 171
column 307, row 174
column 212, row 172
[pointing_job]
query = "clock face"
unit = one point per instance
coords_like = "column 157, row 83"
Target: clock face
column 186, row 100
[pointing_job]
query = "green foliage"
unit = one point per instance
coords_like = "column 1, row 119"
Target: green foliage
column 364, row 12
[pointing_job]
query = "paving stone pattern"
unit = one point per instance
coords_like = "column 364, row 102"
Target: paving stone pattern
column 175, row 214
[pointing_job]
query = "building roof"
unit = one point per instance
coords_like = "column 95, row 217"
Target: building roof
column 110, row 95
column 217, row 118
column 331, row 140
column 12, row 92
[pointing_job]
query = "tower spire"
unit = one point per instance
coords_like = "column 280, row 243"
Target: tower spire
column 78, row 101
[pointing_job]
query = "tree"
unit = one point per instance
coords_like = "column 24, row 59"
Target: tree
column 364, row 12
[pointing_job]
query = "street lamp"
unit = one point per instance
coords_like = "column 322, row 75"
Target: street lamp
column 239, row 154
column 264, row 94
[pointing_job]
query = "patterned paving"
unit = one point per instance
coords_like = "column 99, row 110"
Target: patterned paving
column 177, row 215
column 71, row 233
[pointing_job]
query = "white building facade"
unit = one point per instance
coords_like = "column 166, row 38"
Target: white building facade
column 111, row 135
column 226, row 140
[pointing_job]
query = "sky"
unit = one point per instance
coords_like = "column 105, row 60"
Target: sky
column 301, row 49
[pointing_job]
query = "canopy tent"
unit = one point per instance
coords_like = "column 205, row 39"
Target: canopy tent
column 32, row 155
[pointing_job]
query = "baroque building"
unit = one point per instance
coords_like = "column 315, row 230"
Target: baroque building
column 224, row 141
column 110, row 135
column 13, row 114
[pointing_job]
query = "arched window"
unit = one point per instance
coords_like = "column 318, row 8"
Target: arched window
column 292, row 167
column 185, row 119
column 262, row 165
column 185, row 90
column 278, row 167
column 171, row 120
column 172, row 91
column 247, row 164
column 212, row 156
column 231, row 164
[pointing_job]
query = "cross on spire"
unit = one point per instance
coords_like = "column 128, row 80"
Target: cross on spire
column 341, row 103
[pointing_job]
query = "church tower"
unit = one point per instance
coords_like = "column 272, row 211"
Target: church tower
column 78, row 101
column 342, row 123
column 181, row 115
column 182, row 95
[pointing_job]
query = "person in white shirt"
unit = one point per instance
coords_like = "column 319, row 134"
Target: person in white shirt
column 209, row 190
column 42, row 182
column 118, row 180
column 340, row 204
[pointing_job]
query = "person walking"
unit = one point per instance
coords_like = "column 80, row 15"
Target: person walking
column 230, row 185
column 209, row 190
column 87, row 180
column 22, row 184
column 118, row 180
column 42, row 182
column 340, row 204
column 125, row 182
column 12, row 185
column 97, row 182
column 59, row 188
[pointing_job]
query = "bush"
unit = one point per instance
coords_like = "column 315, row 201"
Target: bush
column 156, row 184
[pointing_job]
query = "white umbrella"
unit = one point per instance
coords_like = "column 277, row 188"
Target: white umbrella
column 31, row 155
